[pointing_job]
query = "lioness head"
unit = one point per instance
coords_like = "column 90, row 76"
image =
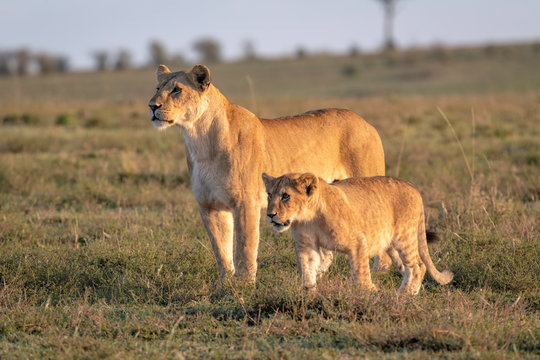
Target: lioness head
column 290, row 198
column 179, row 99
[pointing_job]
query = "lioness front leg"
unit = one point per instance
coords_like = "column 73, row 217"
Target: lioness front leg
column 220, row 227
column 246, row 224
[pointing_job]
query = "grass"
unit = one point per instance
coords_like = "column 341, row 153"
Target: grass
column 103, row 253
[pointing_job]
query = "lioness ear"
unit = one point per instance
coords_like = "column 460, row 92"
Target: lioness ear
column 308, row 182
column 162, row 70
column 200, row 76
column 267, row 179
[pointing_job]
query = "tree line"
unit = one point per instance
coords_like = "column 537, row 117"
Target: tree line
column 23, row 61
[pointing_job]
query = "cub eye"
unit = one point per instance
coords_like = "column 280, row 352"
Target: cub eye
column 285, row 197
column 269, row 196
column 176, row 90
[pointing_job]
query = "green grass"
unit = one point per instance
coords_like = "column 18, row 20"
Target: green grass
column 103, row 253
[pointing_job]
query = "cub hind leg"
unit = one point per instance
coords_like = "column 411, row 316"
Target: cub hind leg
column 396, row 260
column 382, row 262
column 413, row 268
column 360, row 272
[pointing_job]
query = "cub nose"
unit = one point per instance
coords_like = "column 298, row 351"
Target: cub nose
column 154, row 107
column 271, row 216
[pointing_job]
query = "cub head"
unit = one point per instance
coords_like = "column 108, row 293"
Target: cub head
column 180, row 97
column 290, row 198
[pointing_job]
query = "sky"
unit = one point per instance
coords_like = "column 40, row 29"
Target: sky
column 77, row 29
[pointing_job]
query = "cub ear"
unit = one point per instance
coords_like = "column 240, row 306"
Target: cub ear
column 267, row 179
column 162, row 70
column 200, row 75
column 308, row 183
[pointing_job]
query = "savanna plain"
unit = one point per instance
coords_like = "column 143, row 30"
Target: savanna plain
column 103, row 253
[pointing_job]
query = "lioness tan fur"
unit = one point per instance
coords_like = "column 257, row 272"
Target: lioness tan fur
column 360, row 217
column 228, row 148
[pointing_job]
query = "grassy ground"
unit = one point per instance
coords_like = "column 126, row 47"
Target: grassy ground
column 103, row 253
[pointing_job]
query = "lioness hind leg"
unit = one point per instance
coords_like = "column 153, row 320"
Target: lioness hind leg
column 220, row 227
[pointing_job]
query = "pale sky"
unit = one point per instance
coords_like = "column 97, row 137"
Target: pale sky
column 77, row 28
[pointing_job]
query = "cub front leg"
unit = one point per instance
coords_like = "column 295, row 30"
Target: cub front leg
column 326, row 260
column 308, row 257
column 220, row 227
column 246, row 224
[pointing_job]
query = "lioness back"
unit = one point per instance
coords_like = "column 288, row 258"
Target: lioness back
column 320, row 138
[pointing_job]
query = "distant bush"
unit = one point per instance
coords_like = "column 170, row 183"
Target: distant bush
column 30, row 119
column 10, row 119
column 414, row 120
column 24, row 119
column 64, row 119
column 349, row 71
column 94, row 122
column 441, row 53
column 532, row 159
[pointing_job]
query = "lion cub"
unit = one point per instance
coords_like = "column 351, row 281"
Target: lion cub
column 360, row 217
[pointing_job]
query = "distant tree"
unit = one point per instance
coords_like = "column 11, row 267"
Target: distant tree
column 389, row 7
column 23, row 61
column 62, row 64
column 177, row 60
column 4, row 63
column 46, row 63
column 158, row 53
column 102, row 60
column 354, row 50
column 301, row 52
column 8, row 63
column 249, row 51
column 209, row 50
column 123, row 60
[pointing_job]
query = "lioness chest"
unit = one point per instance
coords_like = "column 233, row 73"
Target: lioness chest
column 215, row 184
column 208, row 184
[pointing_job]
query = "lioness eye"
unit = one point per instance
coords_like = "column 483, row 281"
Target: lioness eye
column 269, row 196
column 285, row 197
column 177, row 90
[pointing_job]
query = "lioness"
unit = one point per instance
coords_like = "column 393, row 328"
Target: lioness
column 228, row 148
column 358, row 216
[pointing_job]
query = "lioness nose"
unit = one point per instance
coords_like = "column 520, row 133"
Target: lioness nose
column 154, row 107
column 271, row 215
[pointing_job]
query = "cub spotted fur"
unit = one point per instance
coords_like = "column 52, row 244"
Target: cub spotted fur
column 228, row 148
column 360, row 217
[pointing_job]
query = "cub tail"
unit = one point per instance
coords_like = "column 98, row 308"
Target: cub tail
column 425, row 237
